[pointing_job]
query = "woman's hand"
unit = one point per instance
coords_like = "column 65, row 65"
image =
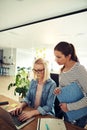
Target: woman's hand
column 63, row 106
column 57, row 91
column 26, row 115
column 17, row 111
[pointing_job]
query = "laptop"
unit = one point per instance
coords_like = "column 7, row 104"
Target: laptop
column 13, row 120
column 18, row 124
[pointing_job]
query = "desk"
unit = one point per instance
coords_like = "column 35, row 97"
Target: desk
column 33, row 124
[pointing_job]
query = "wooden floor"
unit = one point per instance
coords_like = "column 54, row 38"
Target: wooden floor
column 4, row 82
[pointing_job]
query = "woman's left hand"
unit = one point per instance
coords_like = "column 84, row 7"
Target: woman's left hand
column 63, row 106
column 25, row 115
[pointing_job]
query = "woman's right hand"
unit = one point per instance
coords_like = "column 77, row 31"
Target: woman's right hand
column 17, row 111
column 57, row 91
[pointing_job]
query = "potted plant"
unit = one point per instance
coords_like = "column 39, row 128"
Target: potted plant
column 21, row 83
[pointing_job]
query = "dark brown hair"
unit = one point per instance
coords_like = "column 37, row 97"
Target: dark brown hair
column 66, row 48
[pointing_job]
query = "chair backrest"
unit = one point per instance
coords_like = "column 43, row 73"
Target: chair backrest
column 55, row 77
column 57, row 109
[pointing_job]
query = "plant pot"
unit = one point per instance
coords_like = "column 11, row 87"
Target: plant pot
column 20, row 99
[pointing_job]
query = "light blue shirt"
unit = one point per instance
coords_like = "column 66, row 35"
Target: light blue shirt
column 47, row 97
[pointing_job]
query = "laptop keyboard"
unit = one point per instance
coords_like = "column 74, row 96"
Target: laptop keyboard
column 17, row 121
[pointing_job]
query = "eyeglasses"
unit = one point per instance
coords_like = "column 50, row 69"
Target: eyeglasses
column 38, row 71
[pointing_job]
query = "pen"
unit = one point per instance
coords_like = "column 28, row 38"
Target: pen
column 47, row 127
column 39, row 124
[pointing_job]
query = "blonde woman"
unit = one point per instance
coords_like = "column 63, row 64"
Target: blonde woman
column 40, row 95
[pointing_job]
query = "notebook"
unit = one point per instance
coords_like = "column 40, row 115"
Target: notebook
column 69, row 94
column 20, row 124
column 50, row 124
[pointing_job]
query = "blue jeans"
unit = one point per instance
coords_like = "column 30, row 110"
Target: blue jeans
column 80, row 122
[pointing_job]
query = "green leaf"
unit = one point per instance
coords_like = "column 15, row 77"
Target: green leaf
column 21, row 83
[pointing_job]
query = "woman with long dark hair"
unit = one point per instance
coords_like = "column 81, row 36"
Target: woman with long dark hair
column 72, row 90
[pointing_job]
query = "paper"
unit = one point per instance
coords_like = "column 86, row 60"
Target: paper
column 13, row 105
column 50, row 124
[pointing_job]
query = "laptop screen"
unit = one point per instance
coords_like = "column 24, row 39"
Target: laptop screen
column 13, row 121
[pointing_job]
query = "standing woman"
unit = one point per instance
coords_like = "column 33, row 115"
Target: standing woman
column 40, row 94
column 72, row 90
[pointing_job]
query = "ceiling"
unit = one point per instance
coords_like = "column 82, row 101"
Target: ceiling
column 38, row 23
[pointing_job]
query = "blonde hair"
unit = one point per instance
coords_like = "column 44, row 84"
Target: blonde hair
column 46, row 71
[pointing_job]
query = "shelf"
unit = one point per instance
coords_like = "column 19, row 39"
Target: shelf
column 4, row 70
column 7, row 64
